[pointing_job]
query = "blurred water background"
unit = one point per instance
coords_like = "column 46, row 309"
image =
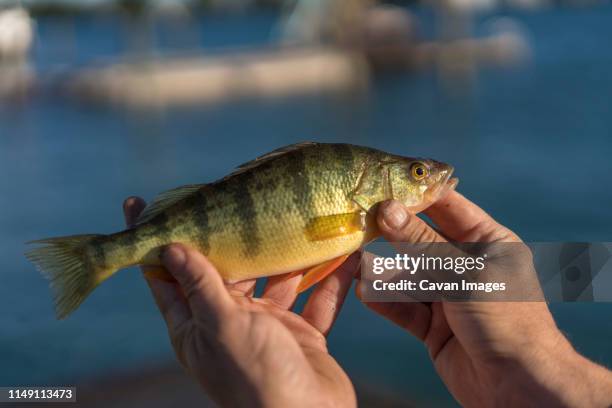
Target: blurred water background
column 532, row 145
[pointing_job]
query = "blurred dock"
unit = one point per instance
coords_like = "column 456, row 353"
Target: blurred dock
column 351, row 44
column 216, row 79
column 284, row 71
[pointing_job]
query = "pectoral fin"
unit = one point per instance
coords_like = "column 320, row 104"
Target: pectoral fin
column 336, row 225
column 363, row 201
column 159, row 273
column 319, row 272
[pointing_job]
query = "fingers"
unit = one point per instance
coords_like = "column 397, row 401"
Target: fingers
column 132, row 207
column 242, row 288
column 281, row 290
column 462, row 220
column 200, row 282
column 325, row 303
column 415, row 317
column 171, row 303
column 398, row 225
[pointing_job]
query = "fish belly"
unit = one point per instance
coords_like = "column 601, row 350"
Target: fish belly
column 279, row 257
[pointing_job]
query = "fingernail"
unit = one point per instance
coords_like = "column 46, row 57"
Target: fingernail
column 172, row 256
column 395, row 215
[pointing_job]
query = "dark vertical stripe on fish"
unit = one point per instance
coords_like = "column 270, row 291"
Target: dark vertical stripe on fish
column 344, row 154
column 99, row 254
column 246, row 213
column 127, row 238
column 200, row 215
column 300, row 183
column 158, row 227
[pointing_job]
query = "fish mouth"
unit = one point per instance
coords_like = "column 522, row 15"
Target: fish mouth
column 445, row 186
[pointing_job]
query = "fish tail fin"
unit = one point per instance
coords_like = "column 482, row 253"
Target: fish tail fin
column 68, row 264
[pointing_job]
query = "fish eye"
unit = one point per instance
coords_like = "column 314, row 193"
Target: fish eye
column 419, row 171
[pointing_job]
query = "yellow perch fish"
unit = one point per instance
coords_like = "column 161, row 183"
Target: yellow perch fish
column 301, row 208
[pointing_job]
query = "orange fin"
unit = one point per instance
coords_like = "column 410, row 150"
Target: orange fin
column 159, row 273
column 295, row 273
column 319, row 272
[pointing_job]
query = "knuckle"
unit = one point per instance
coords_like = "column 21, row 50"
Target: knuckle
column 417, row 231
column 196, row 285
column 328, row 297
column 320, row 339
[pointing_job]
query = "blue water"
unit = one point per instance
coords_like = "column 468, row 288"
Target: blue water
column 531, row 145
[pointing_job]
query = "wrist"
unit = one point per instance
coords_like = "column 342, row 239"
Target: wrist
column 592, row 383
column 552, row 373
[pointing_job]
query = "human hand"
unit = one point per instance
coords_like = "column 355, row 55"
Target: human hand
column 489, row 353
column 248, row 351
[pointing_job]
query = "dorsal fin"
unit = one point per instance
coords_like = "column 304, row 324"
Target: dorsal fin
column 170, row 197
column 165, row 200
column 269, row 156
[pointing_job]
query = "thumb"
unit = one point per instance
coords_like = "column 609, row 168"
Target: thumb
column 397, row 224
column 200, row 282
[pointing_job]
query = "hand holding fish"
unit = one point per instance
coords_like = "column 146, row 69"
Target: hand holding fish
column 489, row 353
column 248, row 351
column 302, row 210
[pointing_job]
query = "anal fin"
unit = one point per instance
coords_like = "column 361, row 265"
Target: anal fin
column 319, row 272
column 293, row 274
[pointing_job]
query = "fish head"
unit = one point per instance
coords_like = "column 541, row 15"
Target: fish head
column 418, row 183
